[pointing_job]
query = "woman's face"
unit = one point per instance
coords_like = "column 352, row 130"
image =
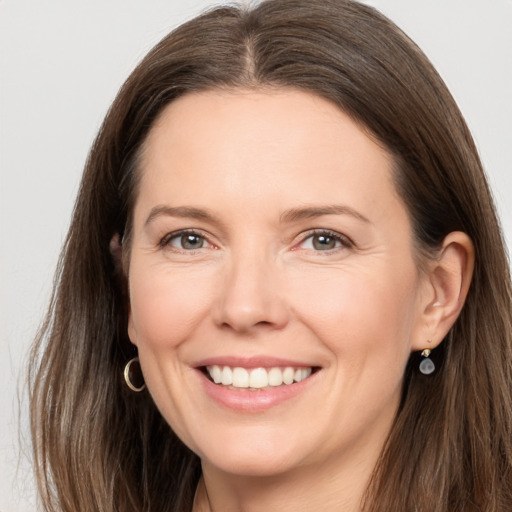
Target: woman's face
column 269, row 244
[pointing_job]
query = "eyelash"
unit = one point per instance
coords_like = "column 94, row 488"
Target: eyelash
column 165, row 242
column 343, row 240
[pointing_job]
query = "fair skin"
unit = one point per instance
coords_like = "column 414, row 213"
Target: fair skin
column 297, row 253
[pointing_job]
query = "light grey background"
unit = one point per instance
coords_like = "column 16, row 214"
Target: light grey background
column 61, row 64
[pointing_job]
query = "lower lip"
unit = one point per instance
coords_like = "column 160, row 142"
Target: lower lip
column 246, row 400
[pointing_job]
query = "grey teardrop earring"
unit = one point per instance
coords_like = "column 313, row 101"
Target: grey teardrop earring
column 427, row 366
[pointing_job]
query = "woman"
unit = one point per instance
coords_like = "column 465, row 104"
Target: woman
column 284, row 224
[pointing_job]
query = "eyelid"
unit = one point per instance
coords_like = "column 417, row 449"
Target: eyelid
column 345, row 241
column 164, row 241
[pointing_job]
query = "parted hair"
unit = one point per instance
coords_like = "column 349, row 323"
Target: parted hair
column 98, row 446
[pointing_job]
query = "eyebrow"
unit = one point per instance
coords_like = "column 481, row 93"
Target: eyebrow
column 288, row 216
column 181, row 211
column 308, row 212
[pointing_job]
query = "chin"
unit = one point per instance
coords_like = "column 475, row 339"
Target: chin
column 260, row 458
column 258, row 467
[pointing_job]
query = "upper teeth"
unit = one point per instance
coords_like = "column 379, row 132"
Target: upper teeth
column 256, row 377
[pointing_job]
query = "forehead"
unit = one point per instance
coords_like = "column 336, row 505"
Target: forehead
column 255, row 150
column 261, row 114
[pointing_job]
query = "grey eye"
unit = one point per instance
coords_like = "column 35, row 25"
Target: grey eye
column 324, row 242
column 188, row 241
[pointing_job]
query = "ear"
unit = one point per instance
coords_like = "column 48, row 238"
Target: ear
column 116, row 251
column 131, row 329
column 132, row 332
column 447, row 283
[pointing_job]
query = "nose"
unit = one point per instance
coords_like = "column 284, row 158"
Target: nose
column 251, row 296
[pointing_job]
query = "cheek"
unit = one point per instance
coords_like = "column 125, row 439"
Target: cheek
column 353, row 311
column 166, row 306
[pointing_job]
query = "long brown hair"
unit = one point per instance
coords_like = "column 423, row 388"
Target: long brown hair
column 100, row 447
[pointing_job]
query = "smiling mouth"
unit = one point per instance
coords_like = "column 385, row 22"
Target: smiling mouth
column 254, row 379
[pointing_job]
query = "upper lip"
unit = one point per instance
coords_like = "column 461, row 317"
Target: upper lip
column 251, row 362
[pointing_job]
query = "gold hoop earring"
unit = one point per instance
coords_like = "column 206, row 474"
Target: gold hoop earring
column 131, row 374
